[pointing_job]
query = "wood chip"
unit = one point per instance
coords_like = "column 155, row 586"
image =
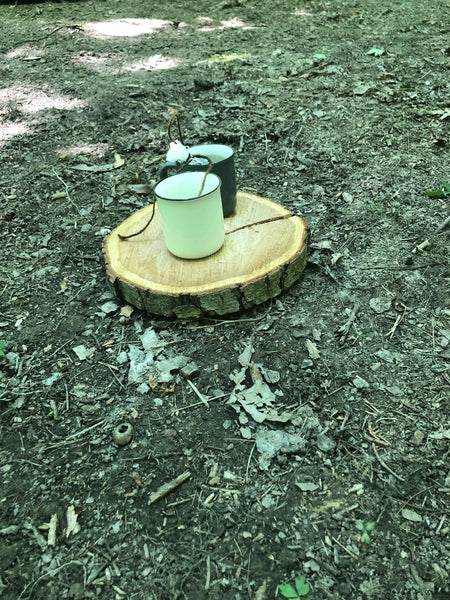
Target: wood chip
column 168, row 487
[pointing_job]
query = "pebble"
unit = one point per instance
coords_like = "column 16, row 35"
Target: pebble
column 360, row 383
column 325, row 443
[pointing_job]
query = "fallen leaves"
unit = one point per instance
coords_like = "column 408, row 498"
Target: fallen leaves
column 118, row 162
column 73, row 526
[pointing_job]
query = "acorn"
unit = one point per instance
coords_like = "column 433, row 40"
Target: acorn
column 123, row 434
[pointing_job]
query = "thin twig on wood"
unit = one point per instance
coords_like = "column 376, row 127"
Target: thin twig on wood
column 168, row 487
column 263, row 222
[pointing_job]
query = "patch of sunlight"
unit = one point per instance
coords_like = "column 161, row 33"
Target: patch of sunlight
column 10, row 129
column 234, row 22
column 124, row 27
column 300, row 12
column 100, row 63
column 92, row 149
column 33, row 100
column 158, row 62
column 114, row 66
column 217, row 58
column 25, row 52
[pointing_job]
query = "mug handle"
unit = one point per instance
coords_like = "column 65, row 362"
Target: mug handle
column 164, row 171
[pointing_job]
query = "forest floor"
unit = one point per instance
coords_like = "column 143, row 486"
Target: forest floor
column 338, row 110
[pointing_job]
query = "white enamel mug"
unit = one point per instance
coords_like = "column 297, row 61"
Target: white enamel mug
column 191, row 217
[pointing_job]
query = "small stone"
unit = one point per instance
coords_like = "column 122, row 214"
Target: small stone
column 418, row 437
column 444, row 342
column 109, row 307
column 385, row 355
column 307, row 486
column 380, row 305
column 122, row 357
column 52, row 379
column 394, row 390
column 143, row 388
column 411, row 515
column 325, row 443
column 360, row 383
column 346, row 197
column 246, row 433
column 82, row 352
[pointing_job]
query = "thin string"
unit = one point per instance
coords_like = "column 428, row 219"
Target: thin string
column 174, row 116
column 127, row 237
column 208, row 170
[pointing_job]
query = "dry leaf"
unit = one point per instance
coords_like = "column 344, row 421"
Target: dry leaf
column 312, row 350
column 126, row 311
column 118, row 161
column 73, row 526
column 411, row 515
column 51, row 538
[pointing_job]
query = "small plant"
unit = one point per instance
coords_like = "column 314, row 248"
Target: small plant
column 443, row 191
column 365, row 527
column 2, row 345
column 298, row 593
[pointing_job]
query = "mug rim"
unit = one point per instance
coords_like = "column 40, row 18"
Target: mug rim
column 197, row 174
column 197, row 148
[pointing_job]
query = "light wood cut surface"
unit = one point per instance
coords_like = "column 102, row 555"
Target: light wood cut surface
column 265, row 251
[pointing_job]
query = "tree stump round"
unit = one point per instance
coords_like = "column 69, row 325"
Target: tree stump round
column 264, row 253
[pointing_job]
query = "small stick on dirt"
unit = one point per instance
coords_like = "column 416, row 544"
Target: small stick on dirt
column 384, row 465
column 199, row 394
column 208, row 572
column 111, row 368
column 248, row 462
column 373, row 437
column 67, row 397
column 195, row 404
column 168, row 487
column 344, row 330
column 442, row 226
column 373, row 440
column 392, row 330
column 66, row 187
column 54, row 408
column 349, row 552
column 421, row 247
column 69, row 439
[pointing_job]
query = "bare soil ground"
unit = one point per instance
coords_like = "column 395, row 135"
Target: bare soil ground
column 291, row 425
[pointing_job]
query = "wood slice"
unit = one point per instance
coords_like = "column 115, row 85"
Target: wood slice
column 264, row 253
